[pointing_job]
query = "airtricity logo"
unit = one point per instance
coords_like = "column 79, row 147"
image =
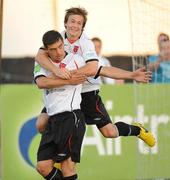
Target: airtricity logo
column 26, row 135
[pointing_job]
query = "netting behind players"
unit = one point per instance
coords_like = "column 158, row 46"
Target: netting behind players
column 148, row 18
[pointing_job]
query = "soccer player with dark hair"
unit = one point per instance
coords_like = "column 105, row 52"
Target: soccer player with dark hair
column 62, row 139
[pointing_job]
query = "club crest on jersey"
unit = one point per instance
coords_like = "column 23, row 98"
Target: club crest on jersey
column 62, row 65
column 75, row 49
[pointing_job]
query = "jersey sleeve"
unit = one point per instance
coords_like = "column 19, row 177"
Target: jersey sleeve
column 88, row 50
column 38, row 71
column 106, row 62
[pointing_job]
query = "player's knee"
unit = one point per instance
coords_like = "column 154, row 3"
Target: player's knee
column 41, row 122
column 44, row 167
column 40, row 127
column 109, row 134
column 68, row 167
column 109, row 131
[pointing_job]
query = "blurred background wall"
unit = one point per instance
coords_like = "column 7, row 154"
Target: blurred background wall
column 24, row 23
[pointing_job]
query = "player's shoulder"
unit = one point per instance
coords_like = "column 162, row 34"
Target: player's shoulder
column 85, row 41
column 39, row 71
column 37, row 67
column 84, row 37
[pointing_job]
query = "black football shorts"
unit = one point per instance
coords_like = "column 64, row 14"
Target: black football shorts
column 94, row 109
column 62, row 137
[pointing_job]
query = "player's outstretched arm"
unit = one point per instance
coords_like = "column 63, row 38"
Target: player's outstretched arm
column 49, row 82
column 140, row 75
column 43, row 59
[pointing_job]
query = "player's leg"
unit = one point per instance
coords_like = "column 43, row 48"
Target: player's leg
column 96, row 113
column 47, row 152
column 45, row 164
column 119, row 129
column 124, row 129
column 48, row 171
column 41, row 124
column 109, row 131
column 69, row 169
column 42, row 120
column 71, row 138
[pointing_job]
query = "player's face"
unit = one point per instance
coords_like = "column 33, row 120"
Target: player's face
column 56, row 51
column 74, row 26
column 98, row 47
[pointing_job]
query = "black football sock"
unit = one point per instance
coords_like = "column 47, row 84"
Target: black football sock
column 127, row 129
column 55, row 174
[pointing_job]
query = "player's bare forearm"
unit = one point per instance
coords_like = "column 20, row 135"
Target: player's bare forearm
column 49, row 82
column 115, row 73
column 140, row 75
column 89, row 69
column 43, row 59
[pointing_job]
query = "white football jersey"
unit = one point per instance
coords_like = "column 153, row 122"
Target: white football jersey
column 105, row 62
column 64, row 98
column 85, row 48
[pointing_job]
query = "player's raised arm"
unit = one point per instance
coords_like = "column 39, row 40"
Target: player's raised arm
column 140, row 75
column 43, row 59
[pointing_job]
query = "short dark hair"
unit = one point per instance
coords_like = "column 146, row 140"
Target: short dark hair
column 76, row 11
column 51, row 37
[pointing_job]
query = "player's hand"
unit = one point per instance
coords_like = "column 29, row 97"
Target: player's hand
column 52, row 76
column 63, row 73
column 77, row 79
column 141, row 75
column 73, row 71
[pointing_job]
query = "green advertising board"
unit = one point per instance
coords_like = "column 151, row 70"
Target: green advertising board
column 102, row 159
